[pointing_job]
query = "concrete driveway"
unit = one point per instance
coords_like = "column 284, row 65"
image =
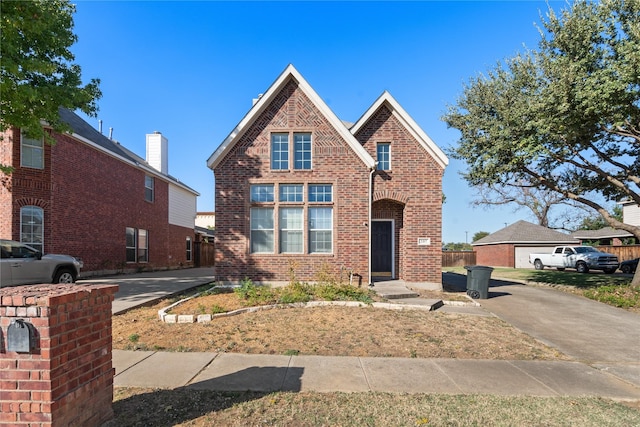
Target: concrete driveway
column 594, row 333
column 143, row 288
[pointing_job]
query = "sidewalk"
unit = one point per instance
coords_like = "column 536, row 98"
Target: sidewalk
column 266, row 373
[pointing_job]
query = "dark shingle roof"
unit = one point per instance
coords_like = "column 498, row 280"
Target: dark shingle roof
column 85, row 130
column 526, row 233
column 603, row 233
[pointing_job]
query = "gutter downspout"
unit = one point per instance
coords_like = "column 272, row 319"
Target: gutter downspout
column 371, row 171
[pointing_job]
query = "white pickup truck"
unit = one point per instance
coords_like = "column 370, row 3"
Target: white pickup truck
column 582, row 258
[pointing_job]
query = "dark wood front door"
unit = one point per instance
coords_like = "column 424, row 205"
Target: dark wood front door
column 381, row 248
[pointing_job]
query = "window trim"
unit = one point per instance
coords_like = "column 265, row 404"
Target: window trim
column 36, row 245
column 302, row 151
column 25, row 146
column 189, row 244
column 149, row 190
column 266, row 231
column 386, row 162
column 137, row 248
column 290, row 231
column 281, row 163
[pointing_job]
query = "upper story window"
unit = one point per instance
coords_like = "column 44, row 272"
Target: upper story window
column 262, row 193
column 32, row 227
column 383, row 154
column 148, row 188
column 280, row 151
column 302, row 150
column 291, row 193
column 31, row 152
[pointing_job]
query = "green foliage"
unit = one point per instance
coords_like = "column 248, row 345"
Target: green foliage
column 563, row 117
column 342, row 292
column 618, row 296
column 295, row 292
column 479, row 235
column 254, row 294
column 37, row 71
column 451, row 246
column 597, row 222
column 134, row 338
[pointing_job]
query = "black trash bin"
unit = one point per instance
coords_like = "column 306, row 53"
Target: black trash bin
column 478, row 277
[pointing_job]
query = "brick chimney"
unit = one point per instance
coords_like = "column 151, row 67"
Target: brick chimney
column 158, row 152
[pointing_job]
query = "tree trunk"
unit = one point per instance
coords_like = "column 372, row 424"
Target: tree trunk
column 636, row 278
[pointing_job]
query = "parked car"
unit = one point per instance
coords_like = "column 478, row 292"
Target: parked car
column 582, row 258
column 629, row 266
column 21, row 264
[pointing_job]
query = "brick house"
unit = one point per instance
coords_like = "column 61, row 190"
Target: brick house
column 88, row 196
column 297, row 191
column 511, row 246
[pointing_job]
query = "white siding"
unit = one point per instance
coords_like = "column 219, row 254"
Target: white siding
column 631, row 214
column 182, row 207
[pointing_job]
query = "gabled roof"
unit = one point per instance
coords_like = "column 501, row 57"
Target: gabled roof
column 288, row 74
column 86, row 133
column 416, row 131
column 603, row 233
column 524, row 232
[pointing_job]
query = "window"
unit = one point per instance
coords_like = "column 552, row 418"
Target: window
column 320, row 193
column 302, row 150
column 280, row 151
column 32, row 227
column 320, row 230
column 384, row 156
column 131, row 244
column 261, row 230
column 291, row 230
column 262, row 193
column 148, row 188
column 291, row 193
column 143, row 246
column 137, row 245
column 31, row 152
column 188, row 248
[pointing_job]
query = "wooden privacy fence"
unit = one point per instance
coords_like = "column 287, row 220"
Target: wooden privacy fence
column 458, row 258
column 204, row 253
column 624, row 253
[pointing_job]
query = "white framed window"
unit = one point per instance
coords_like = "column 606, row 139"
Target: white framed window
column 302, row 151
column 32, row 227
column 280, row 151
column 149, row 188
column 291, row 230
column 291, row 193
column 131, row 244
column 320, row 193
column 189, row 248
column 262, row 193
column 383, row 153
column 320, row 230
column 137, row 245
column 261, row 224
column 31, row 152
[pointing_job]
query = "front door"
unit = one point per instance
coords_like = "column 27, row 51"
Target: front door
column 382, row 249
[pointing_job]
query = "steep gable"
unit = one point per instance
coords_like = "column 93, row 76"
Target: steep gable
column 276, row 95
column 386, row 101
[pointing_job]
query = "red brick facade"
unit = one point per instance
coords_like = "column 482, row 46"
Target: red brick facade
column 502, row 255
column 67, row 377
column 410, row 194
column 89, row 198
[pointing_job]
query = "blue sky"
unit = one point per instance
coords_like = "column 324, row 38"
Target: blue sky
column 191, row 69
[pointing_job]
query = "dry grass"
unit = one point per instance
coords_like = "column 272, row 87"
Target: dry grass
column 329, row 331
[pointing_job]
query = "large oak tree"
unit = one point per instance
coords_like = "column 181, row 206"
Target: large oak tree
column 565, row 117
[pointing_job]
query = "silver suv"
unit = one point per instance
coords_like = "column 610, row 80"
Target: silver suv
column 22, row 265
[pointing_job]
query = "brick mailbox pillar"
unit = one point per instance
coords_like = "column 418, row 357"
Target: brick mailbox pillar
column 64, row 376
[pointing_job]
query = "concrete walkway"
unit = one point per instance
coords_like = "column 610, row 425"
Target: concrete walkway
column 560, row 320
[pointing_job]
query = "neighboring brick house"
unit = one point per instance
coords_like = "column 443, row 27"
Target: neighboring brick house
column 511, row 246
column 88, row 196
column 299, row 192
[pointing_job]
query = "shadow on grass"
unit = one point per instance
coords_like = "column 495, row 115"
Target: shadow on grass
column 168, row 407
column 147, row 407
column 579, row 280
